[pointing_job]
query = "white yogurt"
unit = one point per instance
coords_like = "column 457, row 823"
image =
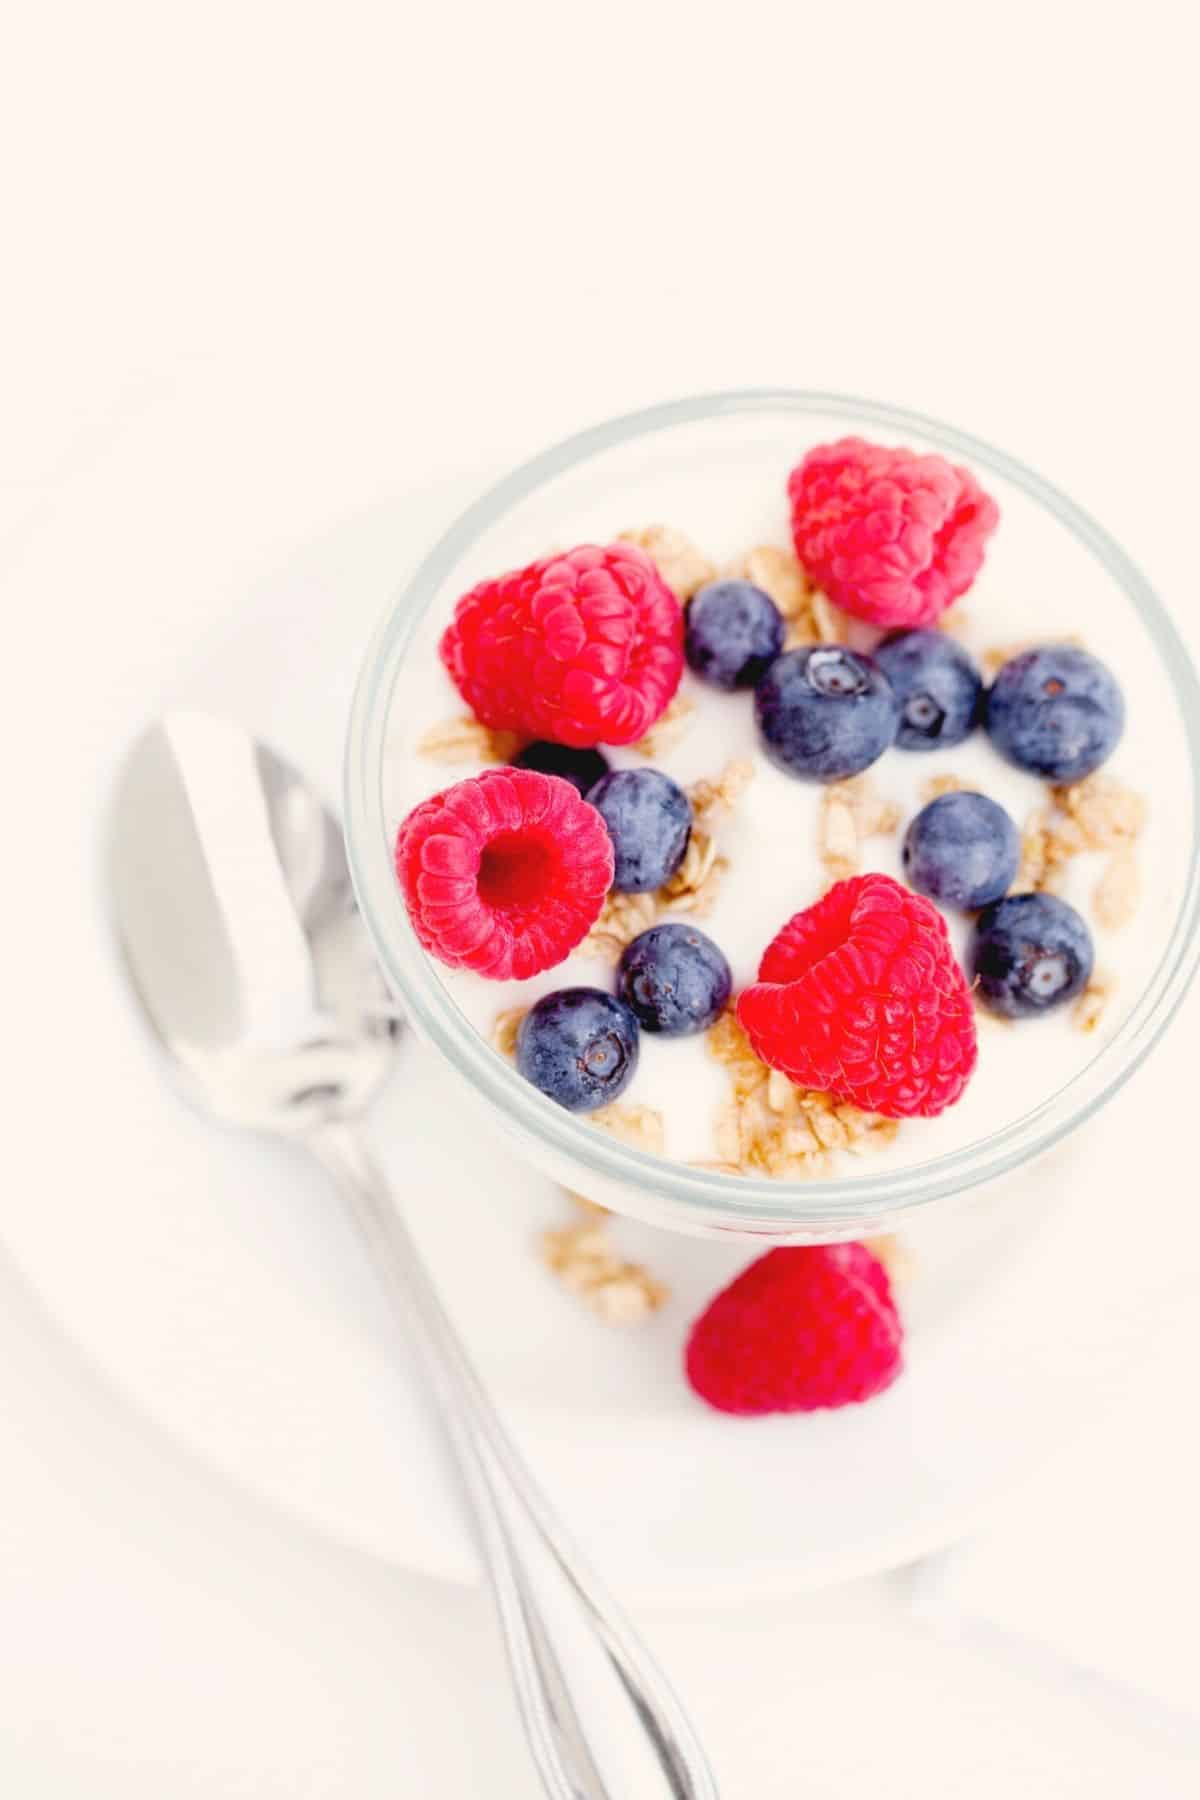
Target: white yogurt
column 725, row 489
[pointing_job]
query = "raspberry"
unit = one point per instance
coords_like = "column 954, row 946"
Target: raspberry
column 505, row 873
column 890, row 536
column 584, row 648
column 799, row 1330
column 861, row 996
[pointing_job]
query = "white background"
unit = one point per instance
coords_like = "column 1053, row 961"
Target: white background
column 438, row 239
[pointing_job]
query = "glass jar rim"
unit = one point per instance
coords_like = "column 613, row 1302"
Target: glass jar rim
column 711, row 1199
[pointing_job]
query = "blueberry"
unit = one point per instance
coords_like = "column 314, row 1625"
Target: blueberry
column 1056, row 711
column 938, row 686
column 675, row 980
column 1030, row 953
column 649, row 819
column 579, row 1046
column 733, row 632
column 963, row 850
column 582, row 768
column 825, row 712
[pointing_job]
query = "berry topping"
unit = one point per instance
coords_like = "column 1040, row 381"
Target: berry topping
column 1057, row 712
column 582, row 768
column 504, row 874
column 963, row 850
column 860, row 996
column 825, row 712
column 938, row 686
column 732, row 631
column 675, row 980
column 579, row 1046
column 584, row 648
column 649, row 819
column 799, row 1330
column 889, row 535
column 1030, row 953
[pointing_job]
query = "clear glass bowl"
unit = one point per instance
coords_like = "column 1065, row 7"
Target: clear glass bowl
column 673, row 443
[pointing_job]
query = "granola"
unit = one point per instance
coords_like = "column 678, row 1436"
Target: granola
column 830, row 624
column 641, row 1127
column 1115, row 896
column 852, row 811
column 937, row 785
column 770, row 1126
column 1106, row 813
column 778, row 573
column 838, row 838
column 465, row 740
column 696, row 882
column 622, row 918
column 617, row 1290
column 874, row 814
column 505, row 1027
column 722, row 795
column 669, row 730
column 682, row 566
column 1088, row 1010
column 1098, row 813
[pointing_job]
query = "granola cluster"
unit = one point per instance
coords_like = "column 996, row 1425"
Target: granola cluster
column 641, row 1127
column 465, row 740
column 580, row 1253
column 684, row 568
column 623, row 918
column 505, row 1027
column 584, row 1259
column 851, row 812
column 778, row 573
column 1088, row 1010
column 668, row 731
column 1098, row 814
column 937, row 785
column 768, row 1126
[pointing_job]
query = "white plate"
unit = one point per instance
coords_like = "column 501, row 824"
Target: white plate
column 212, row 1276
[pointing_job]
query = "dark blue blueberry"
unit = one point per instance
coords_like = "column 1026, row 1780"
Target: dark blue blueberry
column 963, row 850
column 1029, row 954
column 1056, row 711
column 938, row 686
column 579, row 1046
column 649, row 819
column 825, row 712
column 733, row 632
column 675, row 980
column 582, row 768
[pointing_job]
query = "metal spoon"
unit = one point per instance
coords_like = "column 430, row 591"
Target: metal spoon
column 235, row 911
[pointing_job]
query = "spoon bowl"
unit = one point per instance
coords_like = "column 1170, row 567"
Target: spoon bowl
column 237, row 918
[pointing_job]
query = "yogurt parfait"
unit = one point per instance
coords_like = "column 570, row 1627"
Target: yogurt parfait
column 792, row 816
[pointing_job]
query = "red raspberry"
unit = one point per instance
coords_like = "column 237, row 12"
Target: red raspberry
column 890, row 536
column 504, row 874
column 584, row 648
column 862, row 996
column 798, row 1330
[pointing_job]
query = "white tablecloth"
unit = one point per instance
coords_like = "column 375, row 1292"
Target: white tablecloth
column 447, row 247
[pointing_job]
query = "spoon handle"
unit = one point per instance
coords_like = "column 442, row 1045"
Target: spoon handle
column 554, row 1615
